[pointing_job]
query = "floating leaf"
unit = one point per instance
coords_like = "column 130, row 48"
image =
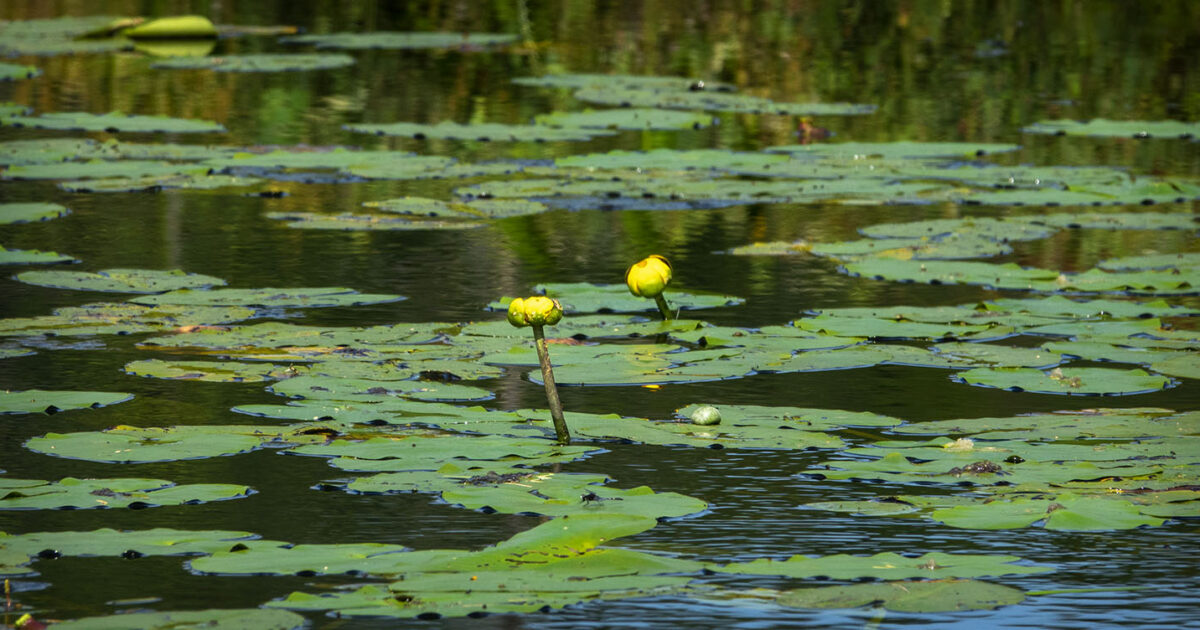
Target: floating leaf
column 30, row 212
column 158, row 541
column 886, row 566
column 13, row 72
column 716, row 101
column 44, row 151
column 1116, row 128
column 121, row 318
column 403, row 40
column 1151, row 261
column 865, row 508
column 576, row 81
column 113, row 123
column 1073, row 381
column 1065, row 425
column 626, row 118
column 32, row 257
column 919, row 597
column 1066, row 512
column 231, row 619
column 893, row 150
column 484, row 132
column 158, row 183
column 210, row 371
column 475, row 209
column 50, row 402
column 270, row 298
column 102, row 169
column 799, row 417
column 714, row 159
column 584, row 297
column 119, row 280
column 126, row 444
column 55, row 36
column 429, row 452
column 179, row 26
column 71, row 493
column 257, row 62
column 996, row 355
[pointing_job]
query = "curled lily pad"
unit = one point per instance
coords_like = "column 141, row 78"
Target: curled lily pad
column 29, row 212
column 13, row 72
column 1073, row 381
column 922, row 597
column 217, row 619
column 113, row 122
column 403, row 40
column 1116, row 128
column 119, row 280
column 72, row 493
column 126, row 444
column 257, row 62
column 278, row 298
column 484, row 132
column 32, row 257
column 626, row 118
column 887, row 566
column 50, row 402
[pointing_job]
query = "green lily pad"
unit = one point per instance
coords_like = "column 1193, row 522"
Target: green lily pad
column 367, row 222
column 872, row 328
column 918, row 597
column 158, row 541
column 102, row 169
column 584, row 297
column 12, row 109
column 1073, row 381
column 106, row 318
column 175, row 26
column 1151, row 261
column 257, row 62
column 210, row 371
column 30, row 212
column 986, row 354
column 483, row 132
column 367, row 390
column 71, row 493
column 403, row 40
column 800, row 417
column 119, row 280
column 50, row 402
column 1065, row 512
column 44, row 151
column 475, row 209
column 126, row 444
column 294, row 342
column 626, row 118
column 430, row 452
column 715, row 101
column 158, row 183
column 13, row 72
column 32, row 257
column 714, row 159
column 887, row 566
column 865, row 508
column 955, row 468
column 114, row 122
column 56, row 36
column 576, row 81
column 892, row 150
column 268, row 298
column 228, row 619
column 566, row 494
column 999, row 229
column 1116, row 128
column 1066, row 425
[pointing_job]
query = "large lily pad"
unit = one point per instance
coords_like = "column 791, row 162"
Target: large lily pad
column 126, row 444
column 474, row 209
column 30, row 212
column 217, row 619
column 13, row 72
column 626, row 118
column 887, row 566
column 584, row 297
column 56, row 36
column 1066, row 512
column 107, row 318
column 50, row 402
column 103, row 169
column 576, row 81
column 158, row 183
column 715, row 101
column 114, row 122
column 210, row 371
column 1117, row 128
column 72, row 493
column 917, row 597
column 1073, row 381
column 158, row 541
column 892, row 150
column 483, row 132
column 120, row 280
column 430, row 451
column 403, row 40
column 269, row 298
column 257, row 62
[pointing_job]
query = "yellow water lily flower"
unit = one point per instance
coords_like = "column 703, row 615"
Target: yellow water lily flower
column 538, row 310
column 649, row 276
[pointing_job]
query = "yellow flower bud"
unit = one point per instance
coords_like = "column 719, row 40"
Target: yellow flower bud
column 542, row 311
column 648, row 277
column 516, row 313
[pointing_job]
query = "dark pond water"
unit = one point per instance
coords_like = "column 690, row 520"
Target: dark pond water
column 960, row 71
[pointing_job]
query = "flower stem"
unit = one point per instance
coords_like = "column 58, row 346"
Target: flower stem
column 556, row 411
column 663, row 308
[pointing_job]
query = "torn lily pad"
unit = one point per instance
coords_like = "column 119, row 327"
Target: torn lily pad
column 1071, row 381
column 30, row 212
column 257, row 62
column 1117, row 128
column 51, row 402
column 268, row 298
column 72, row 493
column 120, row 280
column 114, row 122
